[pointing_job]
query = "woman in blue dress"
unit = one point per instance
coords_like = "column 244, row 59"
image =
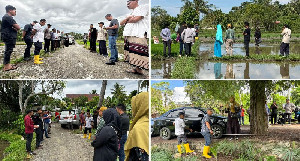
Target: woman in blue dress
column 219, row 42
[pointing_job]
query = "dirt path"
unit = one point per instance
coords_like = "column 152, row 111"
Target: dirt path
column 64, row 145
column 73, row 62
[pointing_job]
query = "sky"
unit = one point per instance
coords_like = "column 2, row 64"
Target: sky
column 179, row 95
column 68, row 15
column 86, row 86
column 173, row 6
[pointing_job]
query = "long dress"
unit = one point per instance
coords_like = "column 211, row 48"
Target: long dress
column 218, row 42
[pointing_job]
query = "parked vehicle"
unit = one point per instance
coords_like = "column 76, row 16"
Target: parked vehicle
column 164, row 127
column 71, row 40
column 63, row 118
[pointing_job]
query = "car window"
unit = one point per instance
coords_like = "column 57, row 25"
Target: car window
column 174, row 113
column 193, row 112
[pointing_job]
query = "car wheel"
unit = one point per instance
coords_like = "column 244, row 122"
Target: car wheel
column 165, row 133
column 218, row 131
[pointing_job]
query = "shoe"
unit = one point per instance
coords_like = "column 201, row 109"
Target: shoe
column 90, row 136
column 179, row 149
column 187, row 148
column 37, row 59
column 205, row 152
column 84, row 136
column 28, row 156
column 48, row 137
column 110, row 63
column 32, row 153
column 39, row 147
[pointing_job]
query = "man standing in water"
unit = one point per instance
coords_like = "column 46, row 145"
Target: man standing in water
column 247, row 38
column 112, row 31
column 9, row 35
column 38, row 39
column 26, row 35
column 285, row 44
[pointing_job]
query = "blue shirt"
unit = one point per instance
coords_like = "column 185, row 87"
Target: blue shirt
column 47, row 121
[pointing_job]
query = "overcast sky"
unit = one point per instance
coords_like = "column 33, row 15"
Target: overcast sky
column 68, row 15
column 86, row 86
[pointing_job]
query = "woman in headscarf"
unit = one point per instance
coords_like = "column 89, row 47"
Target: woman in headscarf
column 219, row 42
column 106, row 142
column 137, row 144
column 233, row 110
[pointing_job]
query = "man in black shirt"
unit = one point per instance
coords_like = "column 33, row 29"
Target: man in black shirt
column 247, row 38
column 180, row 30
column 274, row 113
column 28, row 39
column 9, row 35
column 37, row 119
column 124, row 118
column 93, row 38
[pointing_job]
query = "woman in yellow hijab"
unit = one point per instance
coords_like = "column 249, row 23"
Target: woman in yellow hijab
column 233, row 110
column 137, row 144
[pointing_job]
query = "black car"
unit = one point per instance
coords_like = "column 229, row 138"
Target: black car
column 164, row 127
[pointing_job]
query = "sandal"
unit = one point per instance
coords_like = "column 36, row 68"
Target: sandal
column 134, row 71
column 13, row 67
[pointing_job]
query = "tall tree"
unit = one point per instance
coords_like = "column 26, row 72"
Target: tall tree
column 102, row 93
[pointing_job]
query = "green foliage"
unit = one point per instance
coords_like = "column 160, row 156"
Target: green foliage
column 260, row 57
column 184, row 68
column 19, row 125
column 159, row 154
column 7, row 118
column 161, row 98
column 16, row 149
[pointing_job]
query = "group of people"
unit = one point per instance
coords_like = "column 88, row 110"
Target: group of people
column 33, row 33
column 230, row 39
column 206, row 131
column 186, row 36
column 288, row 108
column 116, row 136
column 40, row 123
column 135, row 35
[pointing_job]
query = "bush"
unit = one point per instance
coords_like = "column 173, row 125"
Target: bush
column 7, row 118
column 184, row 68
column 16, row 149
column 19, row 125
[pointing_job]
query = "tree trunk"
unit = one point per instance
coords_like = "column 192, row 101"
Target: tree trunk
column 258, row 114
column 20, row 83
column 102, row 93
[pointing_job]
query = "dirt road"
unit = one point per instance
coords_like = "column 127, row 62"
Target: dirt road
column 73, row 62
column 63, row 145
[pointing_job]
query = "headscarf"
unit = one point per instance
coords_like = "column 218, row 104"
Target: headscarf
column 233, row 104
column 112, row 118
column 139, row 128
column 219, row 36
column 103, row 109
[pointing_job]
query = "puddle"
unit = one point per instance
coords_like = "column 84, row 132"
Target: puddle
column 213, row 70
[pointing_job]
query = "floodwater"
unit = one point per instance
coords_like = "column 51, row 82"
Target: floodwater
column 238, row 49
column 231, row 70
column 235, row 70
column 3, row 145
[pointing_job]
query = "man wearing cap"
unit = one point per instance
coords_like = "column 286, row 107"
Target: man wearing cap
column 101, row 38
column 26, row 36
column 206, row 131
column 47, row 35
column 93, row 38
column 38, row 39
column 112, row 31
column 9, row 35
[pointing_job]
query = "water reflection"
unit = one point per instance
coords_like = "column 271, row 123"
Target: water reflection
column 238, row 49
column 232, row 70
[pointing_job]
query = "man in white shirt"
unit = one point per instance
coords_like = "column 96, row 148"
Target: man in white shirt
column 101, row 38
column 285, row 44
column 179, row 132
column 70, row 120
column 38, row 39
column 88, row 125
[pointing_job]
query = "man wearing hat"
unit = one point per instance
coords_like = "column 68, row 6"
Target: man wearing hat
column 9, row 35
column 47, row 35
column 112, row 31
column 26, row 36
column 101, row 38
column 93, row 38
column 38, row 39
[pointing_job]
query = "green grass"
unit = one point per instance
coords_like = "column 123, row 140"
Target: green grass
column 184, row 68
column 261, row 57
column 16, row 150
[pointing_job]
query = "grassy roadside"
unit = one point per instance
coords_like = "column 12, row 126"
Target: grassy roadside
column 16, row 149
